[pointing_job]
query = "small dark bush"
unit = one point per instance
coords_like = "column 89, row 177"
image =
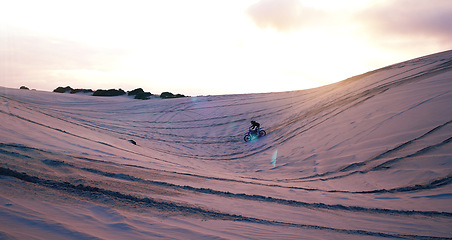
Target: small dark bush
column 63, row 89
column 165, row 95
column 109, row 93
column 143, row 95
column 25, row 88
column 81, row 91
column 135, row 92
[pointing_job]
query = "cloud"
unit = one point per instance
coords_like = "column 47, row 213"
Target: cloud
column 282, row 15
column 28, row 57
column 381, row 22
column 405, row 19
column 56, row 53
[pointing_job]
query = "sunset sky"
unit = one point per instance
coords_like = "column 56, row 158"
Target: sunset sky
column 200, row 47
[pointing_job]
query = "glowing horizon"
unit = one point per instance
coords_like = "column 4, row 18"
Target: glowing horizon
column 203, row 47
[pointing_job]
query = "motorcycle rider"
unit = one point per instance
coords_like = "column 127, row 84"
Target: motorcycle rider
column 254, row 128
column 255, row 132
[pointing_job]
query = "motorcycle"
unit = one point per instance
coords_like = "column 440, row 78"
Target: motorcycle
column 254, row 134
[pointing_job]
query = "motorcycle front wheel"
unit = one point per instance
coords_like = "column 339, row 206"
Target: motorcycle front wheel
column 247, row 138
column 262, row 133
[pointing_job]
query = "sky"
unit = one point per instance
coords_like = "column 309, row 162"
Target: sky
column 206, row 47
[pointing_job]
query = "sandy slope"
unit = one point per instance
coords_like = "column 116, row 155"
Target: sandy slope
column 369, row 157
